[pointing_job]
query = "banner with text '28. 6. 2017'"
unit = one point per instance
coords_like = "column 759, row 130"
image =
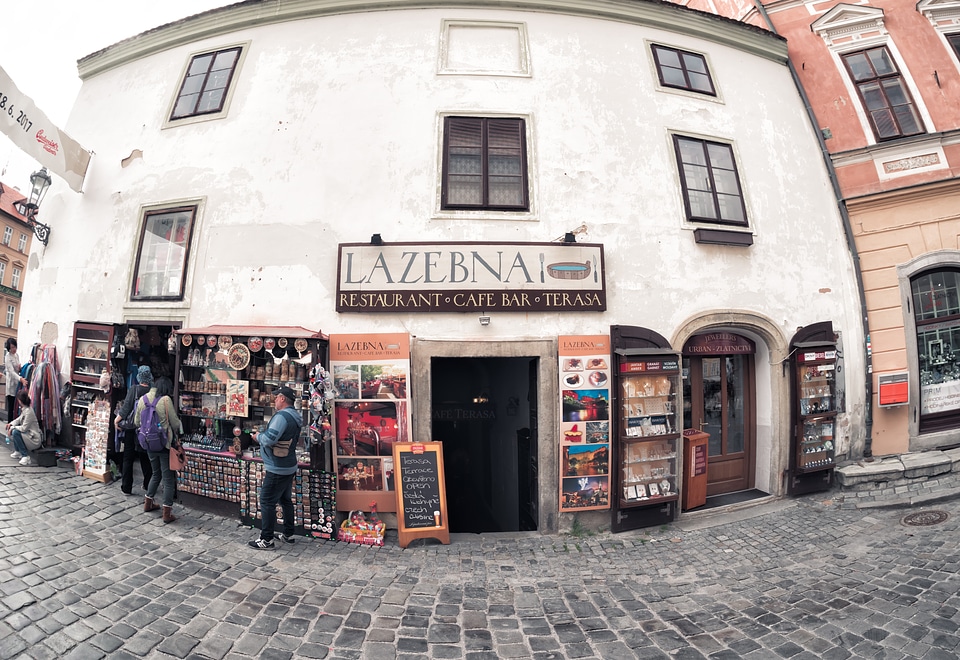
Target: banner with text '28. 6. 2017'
column 38, row 137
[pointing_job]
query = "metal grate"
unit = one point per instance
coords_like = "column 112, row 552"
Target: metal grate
column 924, row 518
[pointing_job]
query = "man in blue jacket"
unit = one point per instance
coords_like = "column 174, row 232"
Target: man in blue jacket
column 278, row 449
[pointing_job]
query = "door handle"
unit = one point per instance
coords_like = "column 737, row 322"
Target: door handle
column 702, row 424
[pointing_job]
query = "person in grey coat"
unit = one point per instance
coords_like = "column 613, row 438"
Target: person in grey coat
column 24, row 431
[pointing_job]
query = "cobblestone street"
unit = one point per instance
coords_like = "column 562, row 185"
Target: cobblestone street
column 85, row 573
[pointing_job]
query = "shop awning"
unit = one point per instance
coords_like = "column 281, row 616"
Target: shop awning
column 291, row 331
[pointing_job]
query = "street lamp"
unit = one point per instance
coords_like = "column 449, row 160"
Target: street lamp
column 39, row 181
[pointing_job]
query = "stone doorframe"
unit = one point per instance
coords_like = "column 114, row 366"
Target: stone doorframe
column 422, row 351
column 773, row 439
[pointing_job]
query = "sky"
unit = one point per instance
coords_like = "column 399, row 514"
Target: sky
column 45, row 38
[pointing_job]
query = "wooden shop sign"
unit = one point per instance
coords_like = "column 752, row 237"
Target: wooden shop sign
column 471, row 277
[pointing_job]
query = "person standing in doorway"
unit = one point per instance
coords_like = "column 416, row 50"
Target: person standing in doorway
column 278, row 449
column 127, row 428
column 11, row 367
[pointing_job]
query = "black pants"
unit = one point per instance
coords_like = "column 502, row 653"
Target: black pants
column 11, row 407
column 131, row 452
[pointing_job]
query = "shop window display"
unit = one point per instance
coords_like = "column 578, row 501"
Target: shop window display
column 936, row 309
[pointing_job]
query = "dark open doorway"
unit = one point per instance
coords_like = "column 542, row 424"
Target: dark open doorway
column 484, row 412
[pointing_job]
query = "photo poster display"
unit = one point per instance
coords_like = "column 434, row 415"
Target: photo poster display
column 371, row 414
column 585, row 422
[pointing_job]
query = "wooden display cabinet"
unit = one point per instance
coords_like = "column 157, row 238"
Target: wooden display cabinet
column 648, row 441
column 90, row 358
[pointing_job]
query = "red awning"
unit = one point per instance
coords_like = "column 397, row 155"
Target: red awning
column 291, row 331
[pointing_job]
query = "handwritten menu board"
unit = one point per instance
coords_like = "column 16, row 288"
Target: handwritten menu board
column 421, row 495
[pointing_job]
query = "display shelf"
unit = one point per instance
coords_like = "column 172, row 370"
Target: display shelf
column 816, row 409
column 313, row 494
column 647, row 470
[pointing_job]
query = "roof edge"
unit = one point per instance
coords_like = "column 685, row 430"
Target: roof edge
column 254, row 13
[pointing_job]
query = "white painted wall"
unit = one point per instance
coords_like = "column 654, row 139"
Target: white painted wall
column 333, row 135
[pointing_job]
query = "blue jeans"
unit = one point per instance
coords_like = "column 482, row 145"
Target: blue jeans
column 276, row 489
column 17, row 439
column 160, row 463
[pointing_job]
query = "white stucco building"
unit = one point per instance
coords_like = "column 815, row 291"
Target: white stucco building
column 674, row 140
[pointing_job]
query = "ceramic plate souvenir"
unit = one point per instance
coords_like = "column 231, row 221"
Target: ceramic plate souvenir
column 300, row 344
column 238, row 356
column 255, row 343
column 225, row 342
column 212, row 341
column 269, row 344
column 186, row 340
column 282, row 342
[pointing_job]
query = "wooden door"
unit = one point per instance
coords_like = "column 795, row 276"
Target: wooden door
column 719, row 400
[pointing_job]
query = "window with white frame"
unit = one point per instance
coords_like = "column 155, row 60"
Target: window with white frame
column 7, row 235
column 15, row 278
column 3, row 270
column 954, row 41
column 944, row 17
column 883, row 93
column 22, row 242
column 889, row 106
column 484, row 164
column 205, row 89
column 163, row 254
column 11, row 315
column 682, row 69
column 710, row 182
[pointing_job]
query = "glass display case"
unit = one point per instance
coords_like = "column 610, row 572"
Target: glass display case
column 648, row 439
column 816, row 386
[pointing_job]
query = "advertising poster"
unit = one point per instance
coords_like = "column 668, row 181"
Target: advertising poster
column 584, row 422
column 371, row 414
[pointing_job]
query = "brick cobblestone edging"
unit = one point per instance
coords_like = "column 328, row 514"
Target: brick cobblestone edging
column 906, row 480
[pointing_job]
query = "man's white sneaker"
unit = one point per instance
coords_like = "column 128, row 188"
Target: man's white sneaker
column 16, row 456
column 26, row 461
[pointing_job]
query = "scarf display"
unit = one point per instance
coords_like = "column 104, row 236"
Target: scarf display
column 45, row 389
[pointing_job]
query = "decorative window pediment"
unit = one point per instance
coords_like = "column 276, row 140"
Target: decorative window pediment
column 850, row 24
column 941, row 13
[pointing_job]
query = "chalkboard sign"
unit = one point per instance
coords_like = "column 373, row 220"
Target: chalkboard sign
column 421, row 496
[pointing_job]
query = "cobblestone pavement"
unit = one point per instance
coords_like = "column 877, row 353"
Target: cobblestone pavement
column 84, row 573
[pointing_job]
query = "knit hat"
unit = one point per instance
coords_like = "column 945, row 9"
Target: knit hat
column 144, row 376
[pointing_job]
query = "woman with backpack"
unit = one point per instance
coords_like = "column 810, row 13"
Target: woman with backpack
column 157, row 416
column 126, row 427
column 24, row 431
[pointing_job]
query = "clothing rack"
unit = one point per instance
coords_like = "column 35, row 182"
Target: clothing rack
column 45, row 391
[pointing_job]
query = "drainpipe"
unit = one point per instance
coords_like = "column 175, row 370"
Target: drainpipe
column 851, row 244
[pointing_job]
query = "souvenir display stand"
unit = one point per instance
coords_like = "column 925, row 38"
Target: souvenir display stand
column 97, row 434
column 647, row 450
column 90, row 359
column 815, row 378
column 226, row 379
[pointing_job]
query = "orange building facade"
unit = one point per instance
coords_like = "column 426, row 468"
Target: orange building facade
column 883, row 86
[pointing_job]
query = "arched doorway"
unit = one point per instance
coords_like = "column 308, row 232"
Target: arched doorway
column 719, row 398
